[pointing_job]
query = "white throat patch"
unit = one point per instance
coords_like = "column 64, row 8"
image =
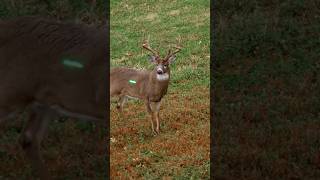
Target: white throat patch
column 162, row 77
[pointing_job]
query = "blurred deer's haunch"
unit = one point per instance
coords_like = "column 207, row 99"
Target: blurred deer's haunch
column 51, row 69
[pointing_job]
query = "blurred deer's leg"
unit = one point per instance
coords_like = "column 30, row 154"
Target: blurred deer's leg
column 121, row 102
column 37, row 122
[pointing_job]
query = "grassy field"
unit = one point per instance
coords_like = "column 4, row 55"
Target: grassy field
column 181, row 151
column 266, row 109
column 73, row 149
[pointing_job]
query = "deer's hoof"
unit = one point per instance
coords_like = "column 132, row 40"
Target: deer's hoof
column 155, row 133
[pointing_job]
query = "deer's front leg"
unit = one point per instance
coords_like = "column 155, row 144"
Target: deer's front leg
column 153, row 109
column 37, row 122
column 155, row 106
column 149, row 110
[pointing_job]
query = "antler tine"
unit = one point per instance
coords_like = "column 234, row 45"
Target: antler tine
column 147, row 47
column 169, row 52
column 174, row 52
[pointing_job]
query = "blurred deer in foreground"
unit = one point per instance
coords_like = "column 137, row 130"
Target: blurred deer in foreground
column 149, row 86
column 51, row 69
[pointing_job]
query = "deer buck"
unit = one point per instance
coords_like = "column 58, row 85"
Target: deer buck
column 51, row 69
column 149, row 86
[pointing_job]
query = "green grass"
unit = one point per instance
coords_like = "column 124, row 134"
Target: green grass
column 164, row 24
column 184, row 112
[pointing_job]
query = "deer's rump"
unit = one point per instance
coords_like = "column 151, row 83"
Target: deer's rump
column 52, row 63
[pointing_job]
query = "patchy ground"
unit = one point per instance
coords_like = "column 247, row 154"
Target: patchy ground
column 182, row 148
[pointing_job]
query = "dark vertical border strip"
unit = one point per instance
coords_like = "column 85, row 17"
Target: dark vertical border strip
column 212, row 80
column 108, row 90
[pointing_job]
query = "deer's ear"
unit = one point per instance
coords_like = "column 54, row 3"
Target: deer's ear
column 152, row 58
column 171, row 59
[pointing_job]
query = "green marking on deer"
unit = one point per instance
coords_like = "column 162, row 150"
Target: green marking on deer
column 72, row 63
column 132, row 81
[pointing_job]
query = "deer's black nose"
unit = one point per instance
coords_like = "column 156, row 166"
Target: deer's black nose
column 159, row 71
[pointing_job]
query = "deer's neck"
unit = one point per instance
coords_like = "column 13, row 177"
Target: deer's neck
column 158, row 85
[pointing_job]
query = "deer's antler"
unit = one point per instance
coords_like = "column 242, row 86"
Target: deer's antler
column 147, row 47
column 178, row 48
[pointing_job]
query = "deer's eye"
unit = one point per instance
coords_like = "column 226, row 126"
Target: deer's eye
column 165, row 66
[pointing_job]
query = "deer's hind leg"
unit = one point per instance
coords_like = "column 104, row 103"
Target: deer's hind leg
column 37, row 118
column 122, row 100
